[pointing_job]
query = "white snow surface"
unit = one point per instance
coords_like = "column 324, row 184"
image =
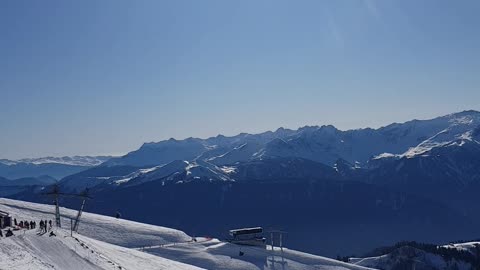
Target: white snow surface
column 108, row 243
column 422, row 259
column 467, row 246
column 33, row 251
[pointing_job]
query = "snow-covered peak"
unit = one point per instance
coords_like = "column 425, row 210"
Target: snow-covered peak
column 447, row 137
column 385, row 156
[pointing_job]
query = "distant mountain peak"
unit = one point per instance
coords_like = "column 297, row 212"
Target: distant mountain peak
column 465, row 112
column 66, row 160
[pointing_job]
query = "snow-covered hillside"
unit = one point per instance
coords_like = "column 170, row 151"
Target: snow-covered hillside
column 455, row 256
column 471, row 247
column 33, row 251
column 177, row 171
column 410, row 258
column 109, row 243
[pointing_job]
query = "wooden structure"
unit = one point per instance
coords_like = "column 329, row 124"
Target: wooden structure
column 5, row 220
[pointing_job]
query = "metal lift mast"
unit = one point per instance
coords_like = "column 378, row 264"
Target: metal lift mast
column 56, row 193
column 84, row 195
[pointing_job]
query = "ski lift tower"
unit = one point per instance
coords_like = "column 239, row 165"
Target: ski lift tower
column 84, row 195
column 276, row 234
column 56, row 194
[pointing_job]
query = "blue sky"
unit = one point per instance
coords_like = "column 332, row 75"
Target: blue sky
column 102, row 77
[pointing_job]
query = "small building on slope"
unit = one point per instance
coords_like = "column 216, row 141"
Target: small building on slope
column 5, row 220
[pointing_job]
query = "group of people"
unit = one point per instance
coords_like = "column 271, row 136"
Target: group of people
column 44, row 225
column 25, row 224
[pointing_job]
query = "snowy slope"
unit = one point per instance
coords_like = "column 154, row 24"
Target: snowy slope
column 428, row 257
column 458, row 130
column 241, row 153
column 176, row 171
column 110, row 243
column 33, row 251
column 471, row 247
column 151, row 154
column 410, row 258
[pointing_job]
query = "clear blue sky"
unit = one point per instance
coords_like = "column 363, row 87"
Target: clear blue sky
column 102, row 77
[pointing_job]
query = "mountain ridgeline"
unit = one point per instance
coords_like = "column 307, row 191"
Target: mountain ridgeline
column 417, row 180
column 56, row 167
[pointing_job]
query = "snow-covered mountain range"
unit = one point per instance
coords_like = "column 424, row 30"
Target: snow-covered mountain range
column 307, row 153
column 85, row 161
column 219, row 158
column 57, row 167
column 324, row 144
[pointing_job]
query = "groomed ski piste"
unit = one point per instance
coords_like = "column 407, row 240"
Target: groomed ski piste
column 109, row 243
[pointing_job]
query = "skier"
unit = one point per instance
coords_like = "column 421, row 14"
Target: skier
column 1, row 234
column 41, row 225
column 50, row 223
column 15, row 221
